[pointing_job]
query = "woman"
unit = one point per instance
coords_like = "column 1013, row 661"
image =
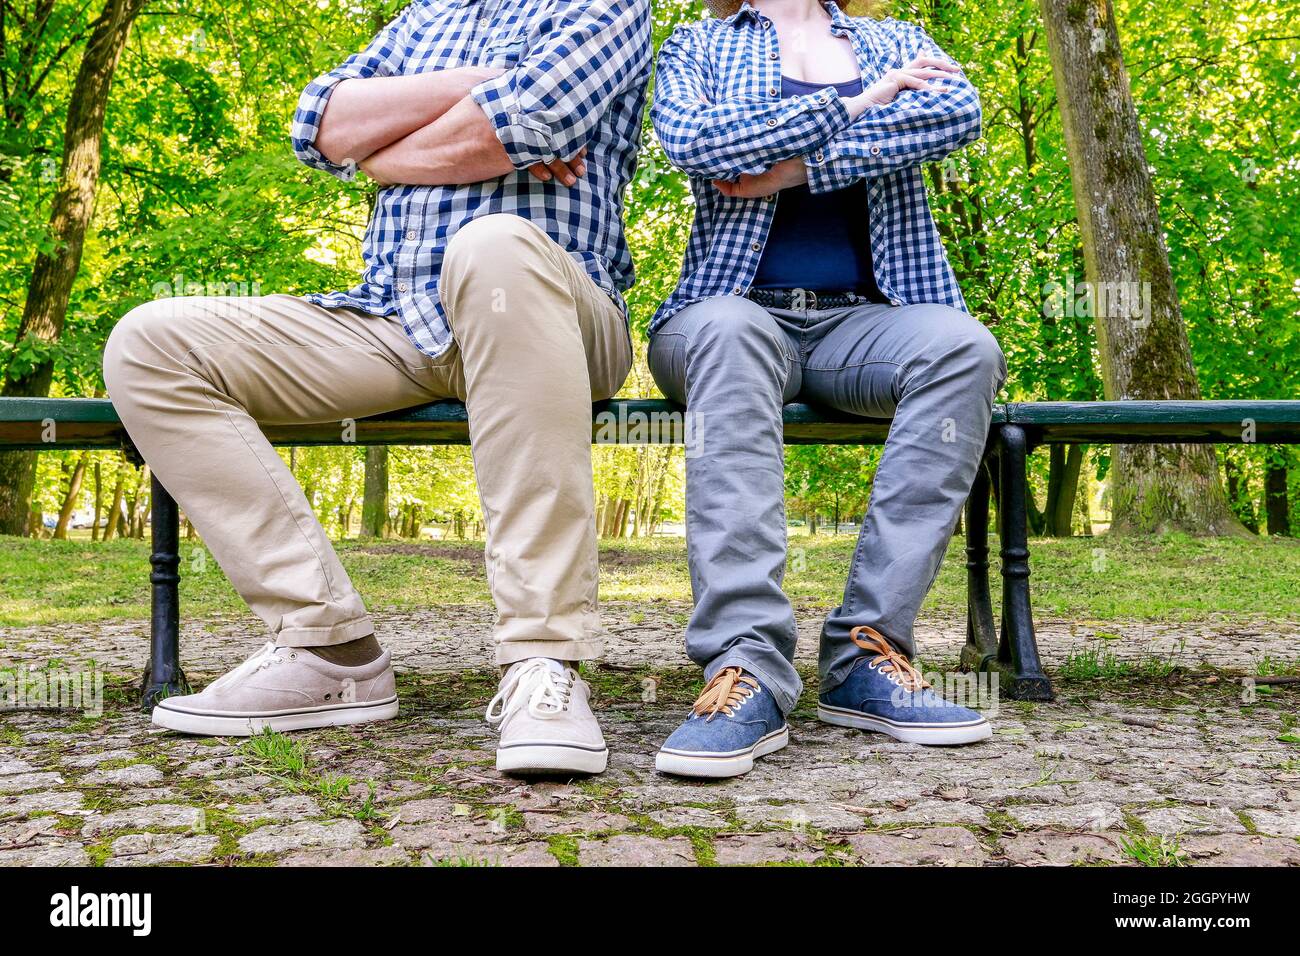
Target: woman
column 815, row 271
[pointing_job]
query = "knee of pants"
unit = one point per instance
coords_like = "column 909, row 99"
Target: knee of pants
column 962, row 343
column 134, row 344
column 731, row 331
column 499, row 256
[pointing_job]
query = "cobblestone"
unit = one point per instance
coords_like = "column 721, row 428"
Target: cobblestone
column 1186, row 758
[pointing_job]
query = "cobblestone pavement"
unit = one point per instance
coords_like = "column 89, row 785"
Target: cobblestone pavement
column 1154, row 751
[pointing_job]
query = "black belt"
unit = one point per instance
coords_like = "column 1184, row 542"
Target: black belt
column 801, row 299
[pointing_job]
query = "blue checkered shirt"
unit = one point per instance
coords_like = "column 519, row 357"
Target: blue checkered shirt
column 575, row 75
column 719, row 113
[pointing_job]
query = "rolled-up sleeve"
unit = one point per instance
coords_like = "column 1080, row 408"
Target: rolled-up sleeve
column 918, row 126
column 577, row 59
column 383, row 56
column 725, row 140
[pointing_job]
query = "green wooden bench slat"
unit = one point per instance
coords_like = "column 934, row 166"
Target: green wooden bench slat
column 92, row 423
column 60, row 409
column 1201, row 421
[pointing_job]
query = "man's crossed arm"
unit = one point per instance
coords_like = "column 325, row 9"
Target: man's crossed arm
column 423, row 128
column 468, row 124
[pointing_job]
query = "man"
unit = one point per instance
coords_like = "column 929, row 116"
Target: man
column 815, row 270
column 502, row 133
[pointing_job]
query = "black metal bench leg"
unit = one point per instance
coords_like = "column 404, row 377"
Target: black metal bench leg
column 981, row 632
column 1018, row 662
column 163, row 676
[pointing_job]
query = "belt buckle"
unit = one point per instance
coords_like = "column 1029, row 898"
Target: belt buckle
column 803, row 299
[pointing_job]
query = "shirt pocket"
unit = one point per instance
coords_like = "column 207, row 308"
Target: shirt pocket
column 503, row 53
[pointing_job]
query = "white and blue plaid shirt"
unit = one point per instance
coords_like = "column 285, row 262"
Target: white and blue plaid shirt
column 575, row 75
column 719, row 113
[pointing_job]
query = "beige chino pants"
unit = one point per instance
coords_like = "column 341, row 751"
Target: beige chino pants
column 536, row 342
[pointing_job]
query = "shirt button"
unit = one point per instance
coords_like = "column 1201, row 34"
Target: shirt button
column 773, row 55
column 875, row 150
column 411, row 234
column 820, row 156
column 736, row 291
column 485, row 23
column 771, row 122
column 401, row 287
column 757, row 247
column 821, row 99
column 769, row 198
column 773, row 91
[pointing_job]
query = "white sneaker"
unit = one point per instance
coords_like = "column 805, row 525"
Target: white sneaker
column 284, row 688
column 544, row 712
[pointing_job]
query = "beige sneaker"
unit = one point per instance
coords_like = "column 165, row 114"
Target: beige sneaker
column 284, row 688
column 543, row 709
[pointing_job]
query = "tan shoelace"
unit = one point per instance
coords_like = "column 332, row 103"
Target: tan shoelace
column 888, row 660
column 729, row 688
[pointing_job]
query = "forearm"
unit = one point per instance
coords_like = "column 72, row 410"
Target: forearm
column 918, row 128
column 729, row 140
column 365, row 115
column 456, row 149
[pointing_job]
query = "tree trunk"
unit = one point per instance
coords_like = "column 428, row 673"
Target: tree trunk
column 1239, row 494
column 99, row 503
column 374, row 505
column 140, row 504
column 115, row 512
column 1140, row 330
column 1062, row 488
column 55, row 268
column 1276, row 505
column 1083, row 501
column 70, row 502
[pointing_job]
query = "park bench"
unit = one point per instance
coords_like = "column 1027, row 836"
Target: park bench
column 1017, row 429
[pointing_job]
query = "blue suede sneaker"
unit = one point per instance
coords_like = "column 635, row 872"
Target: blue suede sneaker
column 734, row 721
column 885, row 692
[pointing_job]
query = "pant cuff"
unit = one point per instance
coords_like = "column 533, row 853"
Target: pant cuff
column 834, row 678
column 326, row 636
column 783, row 692
column 562, row 650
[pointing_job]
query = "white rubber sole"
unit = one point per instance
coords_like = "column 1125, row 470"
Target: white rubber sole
column 932, row 735
column 732, row 764
column 217, row 725
column 550, row 758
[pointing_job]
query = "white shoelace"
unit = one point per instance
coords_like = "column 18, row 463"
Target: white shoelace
column 535, row 685
column 267, row 656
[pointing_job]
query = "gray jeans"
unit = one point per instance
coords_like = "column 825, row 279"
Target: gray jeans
column 931, row 368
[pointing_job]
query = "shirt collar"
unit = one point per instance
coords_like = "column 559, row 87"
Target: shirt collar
column 747, row 12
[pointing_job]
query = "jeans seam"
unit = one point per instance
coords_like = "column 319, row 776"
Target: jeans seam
column 849, row 365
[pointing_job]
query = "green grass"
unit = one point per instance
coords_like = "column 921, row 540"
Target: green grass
column 1149, row 850
column 284, row 759
column 1098, row 664
column 1172, row 578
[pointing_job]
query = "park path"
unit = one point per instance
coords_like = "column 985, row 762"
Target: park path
column 1187, row 766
